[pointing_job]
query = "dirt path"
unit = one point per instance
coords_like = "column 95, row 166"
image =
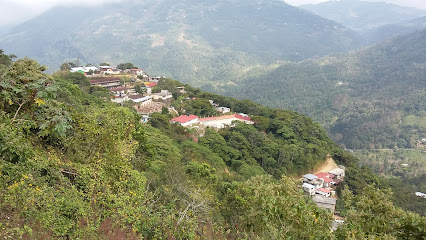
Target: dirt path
column 328, row 165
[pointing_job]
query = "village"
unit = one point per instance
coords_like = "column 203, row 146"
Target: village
column 321, row 188
column 143, row 94
column 146, row 98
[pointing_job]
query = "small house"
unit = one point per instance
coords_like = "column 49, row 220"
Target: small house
column 309, row 188
column 325, row 202
column 223, row 109
column 339, row 173
column 323, row 192
column 185, row 120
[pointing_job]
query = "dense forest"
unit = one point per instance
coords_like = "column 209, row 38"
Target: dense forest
column 74, row 165
column 371, row 98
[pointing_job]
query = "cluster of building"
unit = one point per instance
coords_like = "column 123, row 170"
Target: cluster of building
column 102, row 71
column 213, row 122
column 320, row 186
column 144, row 104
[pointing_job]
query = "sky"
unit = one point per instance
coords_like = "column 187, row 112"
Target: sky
column 17, row 11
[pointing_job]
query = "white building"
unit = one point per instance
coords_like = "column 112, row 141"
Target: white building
column 185, row 120
column 309, row 188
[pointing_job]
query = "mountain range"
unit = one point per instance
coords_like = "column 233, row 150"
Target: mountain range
column 258, row 49
column 194, row 41
column 371, row 98
column 362, row 15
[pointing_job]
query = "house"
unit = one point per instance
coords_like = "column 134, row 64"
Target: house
column 309, row 177
column 109, row 70
column 181, row 89
column 119, row 90
column 155, row 79
column 325, row 202
column 163, row 95
column 224, row 121
column 145, row 118
column 84, row 70
column 339, row 173
column 327, row 178
column 323, row 192
column 223, row 109
column 141, row 100
column 185, row 120
column 309, row 188
column 107, row 83
column 136, row 71
column 420, row 194
column 314, row 180
column 149, row 87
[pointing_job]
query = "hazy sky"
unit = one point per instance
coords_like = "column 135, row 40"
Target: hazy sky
column 16, row 11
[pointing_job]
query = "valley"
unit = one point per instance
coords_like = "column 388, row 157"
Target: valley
column 99, row 141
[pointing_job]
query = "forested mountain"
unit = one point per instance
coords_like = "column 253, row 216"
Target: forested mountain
column 384, row 32
column 75, row 166
column 362, row 15
column 371, row 98
column 190, row 40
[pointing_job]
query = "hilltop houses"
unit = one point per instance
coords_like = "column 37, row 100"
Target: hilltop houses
column 213, row 122
column 185, row 120
column 320, row 186
column 107, row 83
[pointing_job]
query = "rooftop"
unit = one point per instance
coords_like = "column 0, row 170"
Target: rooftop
column 310, row 176
column 323, row 190
column 118, row 89
column 152, row 84
column 184, row 118
column 326, row 200
column 105, row 80
column 323, row 174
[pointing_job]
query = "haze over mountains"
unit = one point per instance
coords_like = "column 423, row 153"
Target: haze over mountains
column 372, row 98
column 194, row 41
column 362, row 15
column 241, row 47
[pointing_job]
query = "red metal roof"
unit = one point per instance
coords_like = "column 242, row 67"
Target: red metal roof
column 153, row 84
column 118, row 89
column 105, row 80
column 323, row 190
column 323, row 174
column 327, row 180
column 184, row 118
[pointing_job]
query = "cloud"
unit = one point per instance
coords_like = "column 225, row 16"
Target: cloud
column 16, row 11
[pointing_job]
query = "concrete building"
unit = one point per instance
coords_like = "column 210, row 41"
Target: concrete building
column 325, row 202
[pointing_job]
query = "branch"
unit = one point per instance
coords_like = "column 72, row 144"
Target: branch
column 17, row 111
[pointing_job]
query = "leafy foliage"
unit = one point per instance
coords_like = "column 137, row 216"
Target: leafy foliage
column 111, row 176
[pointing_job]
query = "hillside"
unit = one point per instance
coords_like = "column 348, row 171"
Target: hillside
column 384, row 32
column 371, row 98
column 193, row 41
column 362, row 15
column 76, row 166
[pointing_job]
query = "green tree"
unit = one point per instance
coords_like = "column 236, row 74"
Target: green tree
column 124, row 66
column 24, row 85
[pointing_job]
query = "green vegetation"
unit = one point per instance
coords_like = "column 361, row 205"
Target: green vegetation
column 368, row 99
column 362, row 15
column 78, row 167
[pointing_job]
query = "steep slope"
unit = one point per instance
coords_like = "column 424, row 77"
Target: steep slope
column 194, row 41
column 362, row 15
column 372, row 98
column 384, row 32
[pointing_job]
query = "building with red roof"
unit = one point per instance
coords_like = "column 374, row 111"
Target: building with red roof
column 323, row 192
column 185, row 120
column 327, row 177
